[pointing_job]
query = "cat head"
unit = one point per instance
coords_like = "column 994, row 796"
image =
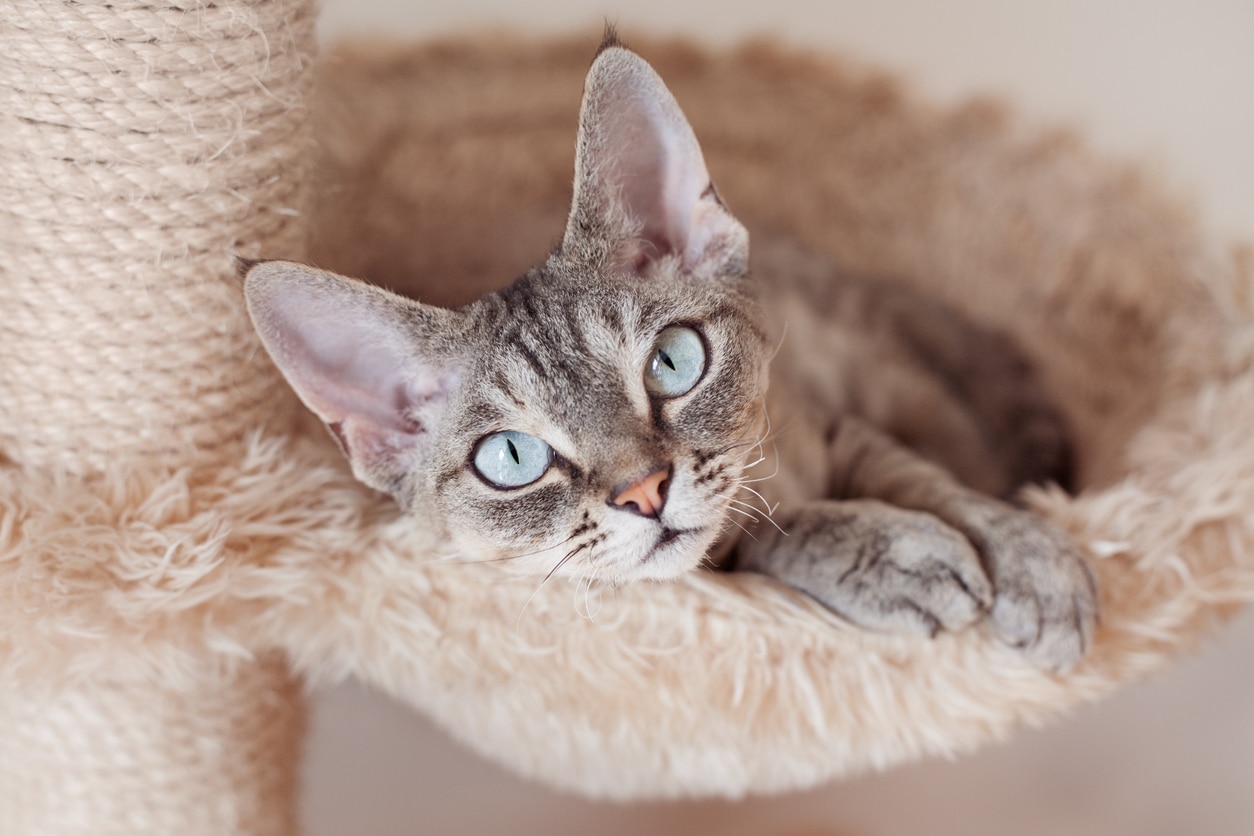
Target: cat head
column 595, row 417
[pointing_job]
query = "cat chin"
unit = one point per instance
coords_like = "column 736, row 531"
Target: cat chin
column 665, row 563
column 642, row 557
column 664, row 568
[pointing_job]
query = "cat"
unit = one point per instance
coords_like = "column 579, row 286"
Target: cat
column 608, row 415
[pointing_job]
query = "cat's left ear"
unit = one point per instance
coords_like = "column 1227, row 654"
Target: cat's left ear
column 640, row 178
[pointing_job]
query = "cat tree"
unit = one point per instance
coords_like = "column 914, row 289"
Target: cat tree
column 177, row 553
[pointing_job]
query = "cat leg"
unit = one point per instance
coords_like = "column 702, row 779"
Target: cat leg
column 880, row 567
column 1045, row 598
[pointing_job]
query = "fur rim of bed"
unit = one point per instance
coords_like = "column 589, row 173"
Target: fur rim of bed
column 174, row 591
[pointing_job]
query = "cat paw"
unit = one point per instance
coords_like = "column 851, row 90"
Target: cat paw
column 1046, row 602
column 880, row 567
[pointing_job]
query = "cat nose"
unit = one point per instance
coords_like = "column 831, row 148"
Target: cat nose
column 645, row 497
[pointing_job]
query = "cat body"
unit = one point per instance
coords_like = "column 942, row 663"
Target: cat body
column 643, row 401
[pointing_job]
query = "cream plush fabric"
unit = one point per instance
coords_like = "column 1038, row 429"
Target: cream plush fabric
column 167, row 581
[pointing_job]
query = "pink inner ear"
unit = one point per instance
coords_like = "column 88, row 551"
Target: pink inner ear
column 361, row 378
column 353, row 355
column 657, row 169
column 343, row 357
column 359, row 357
column 640, row 158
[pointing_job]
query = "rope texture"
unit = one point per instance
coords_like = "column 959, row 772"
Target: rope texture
column 112, row 760
column 142, row 144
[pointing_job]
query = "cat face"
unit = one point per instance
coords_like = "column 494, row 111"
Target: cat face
column 606, row 422
column 595, row 417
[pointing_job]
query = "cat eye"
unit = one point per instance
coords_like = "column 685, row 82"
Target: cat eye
column 512, row 459
column 677, row 363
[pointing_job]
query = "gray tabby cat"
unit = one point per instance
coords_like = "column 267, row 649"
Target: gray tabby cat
column 605, row 415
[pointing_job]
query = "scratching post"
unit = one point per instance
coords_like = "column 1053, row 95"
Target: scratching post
column 213, row 756
column 141, row 145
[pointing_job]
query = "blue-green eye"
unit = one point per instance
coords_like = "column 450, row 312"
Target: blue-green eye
column 677, row 363
column 512, row 459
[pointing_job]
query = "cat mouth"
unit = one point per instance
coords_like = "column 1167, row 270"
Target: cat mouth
column 668, row 537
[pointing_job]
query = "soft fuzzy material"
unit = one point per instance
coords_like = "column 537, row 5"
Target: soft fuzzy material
column 445, row 169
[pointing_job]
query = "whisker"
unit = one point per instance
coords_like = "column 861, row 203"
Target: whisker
column 501, row 559
column 759, row 443
column 742, row 528
column 778, row 346
column 476, row 562
column 768, row 436
column 563, row 561
column 766, row 513
column 742, row 444
column 744, row 513
column 587, row 582
column 552, row 571
column 753, row 463
column 758, row 461
column 747, row 442
column 769, row 508
column 748, row 505
column 766, row 433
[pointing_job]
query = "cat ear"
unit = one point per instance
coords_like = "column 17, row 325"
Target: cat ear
column 360, row 358
column 640, row 178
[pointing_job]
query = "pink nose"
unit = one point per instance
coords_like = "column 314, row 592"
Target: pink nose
column 645, row 497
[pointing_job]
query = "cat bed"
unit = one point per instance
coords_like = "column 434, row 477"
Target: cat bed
column 178, row 547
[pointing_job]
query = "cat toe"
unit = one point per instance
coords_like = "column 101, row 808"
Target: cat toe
column 1052, row 634
column 930, row 580
column 1046, row 604
column 935, row 601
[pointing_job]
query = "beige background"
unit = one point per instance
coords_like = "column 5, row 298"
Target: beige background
column 1166, row 82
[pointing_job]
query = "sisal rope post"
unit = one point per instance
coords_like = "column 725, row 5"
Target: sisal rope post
column 142, row 146
column 106, row 760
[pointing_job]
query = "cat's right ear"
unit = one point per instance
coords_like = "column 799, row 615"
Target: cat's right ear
column 361, row 358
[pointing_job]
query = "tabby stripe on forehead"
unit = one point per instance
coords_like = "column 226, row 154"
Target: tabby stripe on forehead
column 530, row 356
column 529, row 305
column 507, row 307
column 576, row 330
column 510, row 333
column 558, row 362
column 615, row 317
